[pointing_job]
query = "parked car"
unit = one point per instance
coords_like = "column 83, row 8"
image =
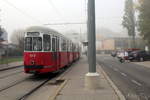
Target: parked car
column 139, row 55
column 128, row 51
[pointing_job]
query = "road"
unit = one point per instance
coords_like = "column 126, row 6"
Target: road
column 131, row 79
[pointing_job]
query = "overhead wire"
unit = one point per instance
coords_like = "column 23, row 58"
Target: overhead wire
column 60, row 15
column 57, row 11
column 77, row 23
column 22, row 12
column 55, row 8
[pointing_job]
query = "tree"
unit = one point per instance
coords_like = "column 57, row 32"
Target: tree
column 144, row 20
column 129, row 19
column 3, row 34
column 17, row 38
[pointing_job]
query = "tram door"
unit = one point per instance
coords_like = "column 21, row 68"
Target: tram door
column 54, row 49
column 57, row 52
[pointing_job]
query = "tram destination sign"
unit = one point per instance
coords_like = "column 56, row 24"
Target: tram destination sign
column 33, row 33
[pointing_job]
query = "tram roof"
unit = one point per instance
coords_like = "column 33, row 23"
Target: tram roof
column 45, row 30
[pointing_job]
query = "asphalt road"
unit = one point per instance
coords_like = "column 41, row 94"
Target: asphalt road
column 131, row 79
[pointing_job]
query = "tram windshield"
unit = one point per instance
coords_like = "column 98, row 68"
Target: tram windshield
column 33, row 44
column 37, row 43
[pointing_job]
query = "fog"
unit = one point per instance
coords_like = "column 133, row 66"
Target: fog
column 19, row 14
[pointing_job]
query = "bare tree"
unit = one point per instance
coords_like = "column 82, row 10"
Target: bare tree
column 17, row 38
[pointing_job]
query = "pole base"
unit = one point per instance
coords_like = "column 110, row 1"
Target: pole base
column 92, row 81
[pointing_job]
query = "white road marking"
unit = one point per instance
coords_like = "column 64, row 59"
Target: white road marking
column 115, row 69
column 124, row 74
column 137, row 83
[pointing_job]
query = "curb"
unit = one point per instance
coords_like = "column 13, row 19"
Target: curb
column 58, row 90
column 117, row 91
column 56, row 93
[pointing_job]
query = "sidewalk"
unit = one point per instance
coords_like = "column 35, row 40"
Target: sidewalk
column 74, row 88
column 10, row 65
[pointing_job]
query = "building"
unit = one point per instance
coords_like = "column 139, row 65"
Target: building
column 116, row 43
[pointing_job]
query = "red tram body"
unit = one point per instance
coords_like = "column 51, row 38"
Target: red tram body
column 48, row 51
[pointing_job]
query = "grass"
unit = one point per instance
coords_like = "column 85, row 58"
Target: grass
column 10, row 60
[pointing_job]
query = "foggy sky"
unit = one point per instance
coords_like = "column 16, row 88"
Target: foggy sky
column 18, row 14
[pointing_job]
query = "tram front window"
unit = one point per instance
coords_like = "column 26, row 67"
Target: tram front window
column 28, row 44
column 37, row 43
column 33, row 44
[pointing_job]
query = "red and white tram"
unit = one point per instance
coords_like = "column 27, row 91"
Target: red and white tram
column 47, row 50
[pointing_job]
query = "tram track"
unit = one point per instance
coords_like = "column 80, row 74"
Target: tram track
column 5, row 76
column 9, row 68
column 54, row 79
column 30, row 85
column 37, row 80
column 33, row 90
column 57, row 80
column 11, row 85
column 28, row 93
column 10, row 72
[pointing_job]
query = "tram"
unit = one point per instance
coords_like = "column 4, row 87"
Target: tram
column 46, row 50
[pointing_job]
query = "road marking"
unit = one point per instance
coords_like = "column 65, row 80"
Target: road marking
column 115, row 88
column 115, row 69
column 124, row 74
column 137, row 83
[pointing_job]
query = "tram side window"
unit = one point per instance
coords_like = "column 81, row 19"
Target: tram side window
column 58, row 44
column 74, row 48
column 64, row 45
column 53, row 44
column 69, row 46
column 37, row 43
column 28, row 44
column 46, row 42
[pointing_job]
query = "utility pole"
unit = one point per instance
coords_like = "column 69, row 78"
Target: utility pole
column 92, row 78
column 91, row 36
